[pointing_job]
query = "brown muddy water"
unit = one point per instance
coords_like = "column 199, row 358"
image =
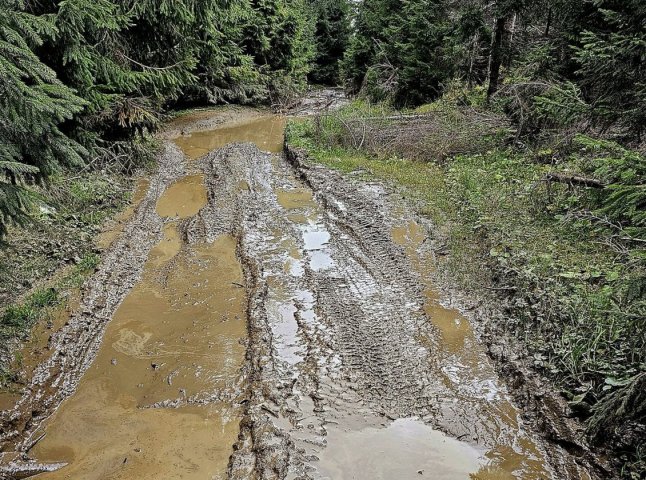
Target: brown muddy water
column 266, row 132
column 161, row 399
column 284, row 326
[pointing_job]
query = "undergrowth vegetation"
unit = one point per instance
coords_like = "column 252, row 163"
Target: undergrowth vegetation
column 60, row 231
column 554, row 230
column 17, row 320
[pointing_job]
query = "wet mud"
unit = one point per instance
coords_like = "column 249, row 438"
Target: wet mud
column 257, row 317
column 114, row 228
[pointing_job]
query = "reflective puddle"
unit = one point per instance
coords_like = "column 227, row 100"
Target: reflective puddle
column 265, row 132
column 407, row 449
column 468, row 373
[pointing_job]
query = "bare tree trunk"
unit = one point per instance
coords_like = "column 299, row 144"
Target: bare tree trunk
column 549, row 22
column 472, row 59
column 495, row 57
column 513, row 28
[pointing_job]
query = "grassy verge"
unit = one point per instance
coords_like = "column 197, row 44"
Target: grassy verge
column 17, row 320
column 53, row 253
column 571, row 289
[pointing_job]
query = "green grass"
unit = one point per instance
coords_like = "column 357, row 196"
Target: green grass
column 569, row 291
column 17, row 320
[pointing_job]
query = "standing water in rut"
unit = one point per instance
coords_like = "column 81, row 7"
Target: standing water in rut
column 283, row 326
column 162, row 396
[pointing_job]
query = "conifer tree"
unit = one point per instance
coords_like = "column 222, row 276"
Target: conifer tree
column 612, row 63
column 331, row 37
column 279, row 37
column 124, row 57
column 226, row 73
column 34, row 104
column 399, row 50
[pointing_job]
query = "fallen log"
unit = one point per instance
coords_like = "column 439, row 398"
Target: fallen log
column 574, row 180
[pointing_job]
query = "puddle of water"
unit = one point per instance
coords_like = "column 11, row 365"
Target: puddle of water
column 315, row 239
column 170, row 245
column 405, row 449
column 265, row 132
column 161, row 398
column 243, row 186
column 469, row 374
column 105, row 239
column 35, row 350
column 184, row 198
column 320, row 261
column 304, row 211
column 295, row 198
column 281, row 312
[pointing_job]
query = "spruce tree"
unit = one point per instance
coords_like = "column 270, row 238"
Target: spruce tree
column 124, row 57
column 611, row 58
column 399, row 50
column 279, row 36
column 34, row 104
column 331, row 37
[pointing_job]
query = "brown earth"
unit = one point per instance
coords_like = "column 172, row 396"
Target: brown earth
column 259, row 317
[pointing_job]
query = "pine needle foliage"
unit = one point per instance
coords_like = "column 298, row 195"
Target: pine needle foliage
column 331, row 38
column 34, row 105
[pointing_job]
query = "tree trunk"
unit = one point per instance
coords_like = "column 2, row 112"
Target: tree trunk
column 549, row 22
column 495, row 57
column 577, row 180
column 472, row 59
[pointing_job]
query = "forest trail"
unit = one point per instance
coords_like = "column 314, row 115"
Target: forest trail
column 261, row 318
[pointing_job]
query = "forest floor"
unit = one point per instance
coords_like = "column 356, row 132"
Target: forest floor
column 254, row 315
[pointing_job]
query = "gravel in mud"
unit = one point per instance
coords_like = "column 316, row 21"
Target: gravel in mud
column 352, row 369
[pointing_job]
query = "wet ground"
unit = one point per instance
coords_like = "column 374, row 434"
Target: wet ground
column 259, row 317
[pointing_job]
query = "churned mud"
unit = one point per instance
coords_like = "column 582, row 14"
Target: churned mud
column 256, row 317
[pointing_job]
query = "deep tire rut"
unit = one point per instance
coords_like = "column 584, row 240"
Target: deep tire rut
column 339, row 340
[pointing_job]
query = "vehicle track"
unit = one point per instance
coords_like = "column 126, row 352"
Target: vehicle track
column 341, row 346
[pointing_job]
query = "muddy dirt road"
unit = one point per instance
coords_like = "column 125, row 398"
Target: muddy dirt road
column 259, row 318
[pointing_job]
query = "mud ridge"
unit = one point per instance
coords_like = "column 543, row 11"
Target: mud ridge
column 74, row 346
column 262, row 449
column 542, row 407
